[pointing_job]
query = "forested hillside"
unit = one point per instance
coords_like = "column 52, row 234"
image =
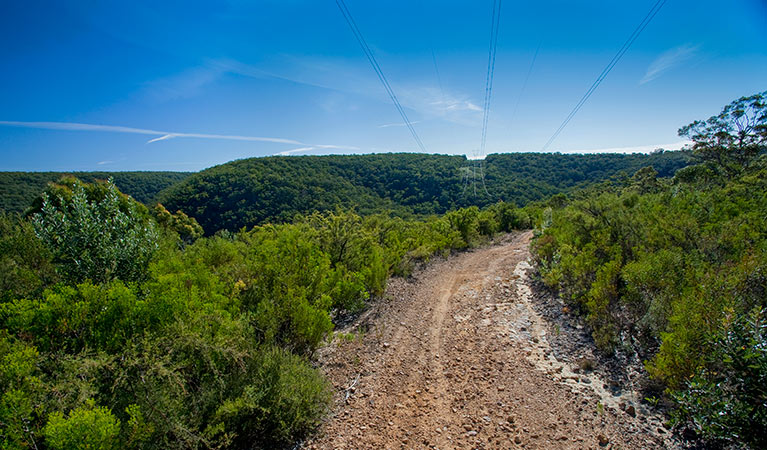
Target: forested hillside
column 119, row 329
column 676, row 273
column 18, row 189
column 253, row 191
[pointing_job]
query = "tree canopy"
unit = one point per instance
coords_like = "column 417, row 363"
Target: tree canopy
column 259, row 190
column 735, row 137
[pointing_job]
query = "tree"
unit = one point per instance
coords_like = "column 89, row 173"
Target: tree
column 95, row 232
column 89, row 427
column 735, row 137
column 186, row 227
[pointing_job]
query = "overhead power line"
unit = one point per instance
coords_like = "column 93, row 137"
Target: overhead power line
column 371, row 58
column 626, row 45
column 524, row 84
column 494, row 27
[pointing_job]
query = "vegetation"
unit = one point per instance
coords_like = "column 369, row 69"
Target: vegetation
column 122, row 327
column 254, row 191
column 677, row 271
column 19, row 189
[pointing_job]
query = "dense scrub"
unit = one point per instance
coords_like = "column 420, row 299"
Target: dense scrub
column 254, row 191
column 146, row 336
column 676, row 270
column 19, row 189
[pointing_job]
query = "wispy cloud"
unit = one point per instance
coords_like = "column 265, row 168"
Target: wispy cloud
column 163, row 135
column 185, row 84
column 356, row 79
column 161, row 138
column 669, row 59
column 296, row 150
column 397, row 124
column 633, row 149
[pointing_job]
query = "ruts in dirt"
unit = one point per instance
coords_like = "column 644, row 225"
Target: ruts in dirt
column 456, row 357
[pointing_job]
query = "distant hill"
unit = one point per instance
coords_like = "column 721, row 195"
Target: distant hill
column 18, row 189
column 252, row 191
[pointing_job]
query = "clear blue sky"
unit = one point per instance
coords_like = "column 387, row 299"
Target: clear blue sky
column 230, row 72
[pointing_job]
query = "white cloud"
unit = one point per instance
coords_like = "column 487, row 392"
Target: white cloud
column 296, row 150
column 355, row 77
column 669, row 59
column 161, row 138
column 397, row 124
column 165, row 135
column 73, row 126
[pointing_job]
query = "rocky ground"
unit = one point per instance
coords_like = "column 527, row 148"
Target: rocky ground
column 465, row 354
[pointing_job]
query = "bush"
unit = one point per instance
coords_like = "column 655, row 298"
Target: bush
column 95, row 232
column 22, row 393
column 26, row 268
column 726, row 401
column 285, row 400
column 465, row 222
column 89, row 427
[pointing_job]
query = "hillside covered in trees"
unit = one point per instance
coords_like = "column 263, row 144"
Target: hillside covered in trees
column 121, row 329
column 19, row 189
column 253, row 191
column 122, row 326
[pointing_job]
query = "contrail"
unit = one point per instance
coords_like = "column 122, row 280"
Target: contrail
column 163, row 135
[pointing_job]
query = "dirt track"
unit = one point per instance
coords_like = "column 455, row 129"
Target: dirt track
column 457, row 357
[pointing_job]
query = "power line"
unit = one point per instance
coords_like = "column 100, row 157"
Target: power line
column 626, row 45
column 494, row 27
column 436, row 70
column 476, row 170
column 524, row 84
column 371, row 58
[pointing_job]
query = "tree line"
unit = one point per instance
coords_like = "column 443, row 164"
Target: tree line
column 262, row 190
column 19, row 189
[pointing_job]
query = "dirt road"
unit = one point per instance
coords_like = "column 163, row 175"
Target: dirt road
column 457, row 357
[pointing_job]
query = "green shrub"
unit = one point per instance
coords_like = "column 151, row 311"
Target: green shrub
column 726, row 400
column 26, row 268
column 285, row 400
column 95, row 232
column 465, row 222
column 89, row 427
column 21, row 393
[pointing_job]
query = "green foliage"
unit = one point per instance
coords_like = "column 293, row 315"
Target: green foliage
column 297, row 396
column 732, row 140
column 26, row 266
column 466, row 222
column 186, row 227
column 254, row 191
column 95, row 232
column 510, row 218
column 206, row 344
column 726, row 399
column 675, row 269
column 21, row 390
column 19, row 189
column 86, row 316
column 89, row 427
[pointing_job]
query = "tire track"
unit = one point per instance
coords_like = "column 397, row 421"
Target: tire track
column 446, row 362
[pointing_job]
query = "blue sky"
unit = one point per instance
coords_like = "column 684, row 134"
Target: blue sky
column 88, row 85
